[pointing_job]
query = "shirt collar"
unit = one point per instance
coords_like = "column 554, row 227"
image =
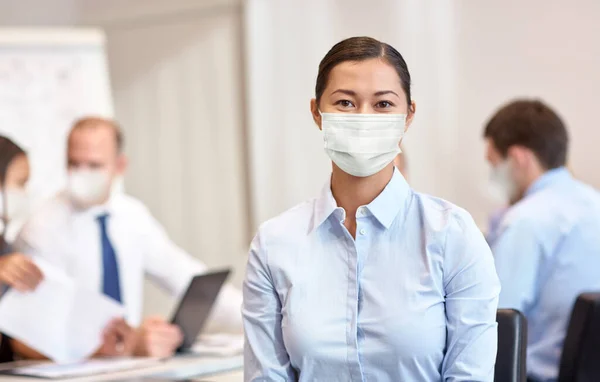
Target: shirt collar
column 325, row 205
column 550, row 177
column 385, row 207
column 106, row 208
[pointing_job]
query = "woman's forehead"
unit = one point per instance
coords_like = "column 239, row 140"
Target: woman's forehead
column 364, row 76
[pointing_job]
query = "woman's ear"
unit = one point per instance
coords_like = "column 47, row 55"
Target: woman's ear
column 314, row 110
column 410, row 115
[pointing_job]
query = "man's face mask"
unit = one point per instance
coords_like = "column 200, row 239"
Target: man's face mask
column 502, row 180
column 87, row 187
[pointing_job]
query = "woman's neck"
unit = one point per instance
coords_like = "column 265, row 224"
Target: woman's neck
column 351, row 192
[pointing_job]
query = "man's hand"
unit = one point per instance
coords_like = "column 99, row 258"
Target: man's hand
column 158, row 338
column 19, row 272
column 118, row 340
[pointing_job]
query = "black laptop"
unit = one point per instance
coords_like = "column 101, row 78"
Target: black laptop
column 196, row 305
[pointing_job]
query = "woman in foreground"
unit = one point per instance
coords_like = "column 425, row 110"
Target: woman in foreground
column 370, row 281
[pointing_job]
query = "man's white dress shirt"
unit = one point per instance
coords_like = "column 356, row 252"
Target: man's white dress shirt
column 70, row 239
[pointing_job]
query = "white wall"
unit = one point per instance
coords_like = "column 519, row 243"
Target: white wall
column 466, row 58
column 177, row 88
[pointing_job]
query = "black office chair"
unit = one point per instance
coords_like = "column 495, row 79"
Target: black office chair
column 512, row 346
column 580, row 361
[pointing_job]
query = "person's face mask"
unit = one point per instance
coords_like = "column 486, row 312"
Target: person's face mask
column 17, row 203
column 503, row 181
column 362, row 144
column 88, row 187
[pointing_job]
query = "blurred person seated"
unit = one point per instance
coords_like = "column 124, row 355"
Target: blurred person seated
column 546, row 249
column 107, row 240
column 16, row 270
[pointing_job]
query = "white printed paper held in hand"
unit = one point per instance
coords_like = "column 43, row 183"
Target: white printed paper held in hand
column 60, row 319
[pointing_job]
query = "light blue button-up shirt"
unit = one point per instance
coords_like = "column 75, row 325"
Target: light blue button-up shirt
column 547, row 253
column 412, row 298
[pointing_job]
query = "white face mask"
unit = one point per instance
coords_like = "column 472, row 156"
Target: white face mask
column 87, row 187
column 362, row 144
column 17, row 203
column 502, row 180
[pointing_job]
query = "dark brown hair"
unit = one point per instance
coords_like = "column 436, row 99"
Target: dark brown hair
column 360, row 49
column 93, row 122
column 531, row 124
column 8, row 152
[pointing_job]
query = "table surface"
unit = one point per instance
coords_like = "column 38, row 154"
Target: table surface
column 176, row 368
column 234, row 376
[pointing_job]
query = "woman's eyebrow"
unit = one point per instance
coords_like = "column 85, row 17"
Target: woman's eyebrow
column 353, row 93
column 344, row 91
column 384, row 92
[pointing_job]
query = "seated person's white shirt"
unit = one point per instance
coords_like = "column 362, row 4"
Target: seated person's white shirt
column 70, row 239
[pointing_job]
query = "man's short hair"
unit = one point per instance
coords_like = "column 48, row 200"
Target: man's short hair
column 94, row 122
column 531, row 124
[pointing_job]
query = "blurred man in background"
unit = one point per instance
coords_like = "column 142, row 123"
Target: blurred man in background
column 109, row 241
column 546, row 248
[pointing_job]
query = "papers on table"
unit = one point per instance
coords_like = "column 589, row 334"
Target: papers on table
column 223, row 345
column 90, row 367
column 60, row 319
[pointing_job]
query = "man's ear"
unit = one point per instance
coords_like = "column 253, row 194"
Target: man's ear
column 122, row 164
column 314, row 110
column 410, row 115
column 523, row 157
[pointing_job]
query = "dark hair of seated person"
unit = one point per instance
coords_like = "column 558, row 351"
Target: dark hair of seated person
column 8, row 151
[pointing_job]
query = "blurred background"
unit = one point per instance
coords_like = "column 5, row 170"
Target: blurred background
column 213, row 97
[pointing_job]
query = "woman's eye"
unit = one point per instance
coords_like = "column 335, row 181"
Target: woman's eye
column 384, row 104
column 344, row 103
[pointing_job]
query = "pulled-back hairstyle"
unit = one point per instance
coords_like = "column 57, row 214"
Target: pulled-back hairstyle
column 361, row 49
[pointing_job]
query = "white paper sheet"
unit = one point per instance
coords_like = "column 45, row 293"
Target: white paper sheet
column 90, row 367
column 60, row 319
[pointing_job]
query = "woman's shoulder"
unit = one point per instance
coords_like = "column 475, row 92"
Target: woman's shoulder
column 441, row 214
column 455, row 234
column 294, row 220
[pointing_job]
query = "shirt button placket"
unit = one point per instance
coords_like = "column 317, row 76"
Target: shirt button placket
column 352, row 312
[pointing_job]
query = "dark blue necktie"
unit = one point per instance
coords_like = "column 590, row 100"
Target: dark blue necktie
column 110, row 282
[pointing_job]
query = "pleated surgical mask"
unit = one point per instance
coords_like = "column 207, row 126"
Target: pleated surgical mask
column 362, row 144
column 17, row 203
column 502, row 181
column 87, row 187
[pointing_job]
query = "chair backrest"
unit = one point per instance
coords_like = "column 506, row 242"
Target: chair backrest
column 580, row 361
column 512, row 346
